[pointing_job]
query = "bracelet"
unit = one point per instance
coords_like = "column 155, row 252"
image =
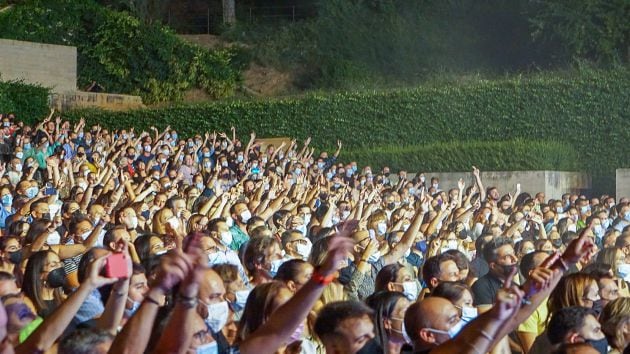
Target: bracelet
column 188, row 302
column 151, row 300
column 486, row 335
column 322, row 279
column 562, row 264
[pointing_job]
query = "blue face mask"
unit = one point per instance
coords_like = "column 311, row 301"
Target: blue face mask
column 452, row 332
column 27, row 146
column 7, row 200
column 208, row 348
column 31, row 192
column 421, row 246
column 145, row 214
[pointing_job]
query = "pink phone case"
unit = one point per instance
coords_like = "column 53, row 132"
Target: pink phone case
column 116, row 266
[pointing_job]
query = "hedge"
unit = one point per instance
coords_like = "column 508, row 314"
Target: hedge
column 27, row 102
column 588, row 110
column 515, row 155
column 122, row 53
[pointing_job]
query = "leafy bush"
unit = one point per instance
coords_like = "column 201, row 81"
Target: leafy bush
column 514, row 155
column 587, row 110
column 28, row 102
column 122, row 53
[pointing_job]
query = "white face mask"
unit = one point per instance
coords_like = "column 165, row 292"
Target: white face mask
column 374, row 257
column 217, row 316
column 304, row 250
column 86, row 234
column 381, row 228
column 226, row 238
column 245, row 216
column 174, row 222
column 623, row 270
column 403, row 330
column 53, row 238
column 410, row 289
column 469, row 313
column 217, row 258
column 572, row 228
column 241, row 299
column 134, row 222
column 275, row 265
column 229, row 222
column 452, row 244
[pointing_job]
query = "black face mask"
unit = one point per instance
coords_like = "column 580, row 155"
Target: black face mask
column 391, row 206
column 371, row 347
column 15, row 257
column 600, row 345
column 56, row 278
column 598, row 306
column 46, row 216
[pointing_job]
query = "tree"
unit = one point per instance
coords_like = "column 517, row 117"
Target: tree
column 589, row 29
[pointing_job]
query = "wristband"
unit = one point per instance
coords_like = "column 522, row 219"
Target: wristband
column 151, row 300
column 188, row 302
column 321, row 279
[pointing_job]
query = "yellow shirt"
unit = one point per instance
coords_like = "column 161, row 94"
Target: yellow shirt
column 536, row 322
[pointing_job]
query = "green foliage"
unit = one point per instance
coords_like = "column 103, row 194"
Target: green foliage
column 122, row 53
column 390, row 43
column 587, row 110
column 589, row 29
column 27, row 102
column 513, row 155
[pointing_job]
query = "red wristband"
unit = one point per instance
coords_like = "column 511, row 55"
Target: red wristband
column 321, row 279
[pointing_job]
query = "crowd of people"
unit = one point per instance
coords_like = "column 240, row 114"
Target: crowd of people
column 121, row 241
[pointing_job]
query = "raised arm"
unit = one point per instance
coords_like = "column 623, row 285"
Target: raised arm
column 52, row 328
column 281, row 324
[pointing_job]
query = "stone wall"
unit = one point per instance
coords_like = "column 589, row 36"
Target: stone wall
column 110, row 101
column 49, row 65
column 623, row 183
column 552, row 183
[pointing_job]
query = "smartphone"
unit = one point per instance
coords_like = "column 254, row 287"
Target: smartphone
column 50, row 190
column 116, row 266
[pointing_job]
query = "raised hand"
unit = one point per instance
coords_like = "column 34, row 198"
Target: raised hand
column 581, row 247
column 508, row 299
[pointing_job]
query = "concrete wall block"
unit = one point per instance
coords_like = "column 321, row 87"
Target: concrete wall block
column 49, row 65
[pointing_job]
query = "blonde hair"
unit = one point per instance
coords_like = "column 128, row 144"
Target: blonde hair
column 569, row 292
column 615, row 314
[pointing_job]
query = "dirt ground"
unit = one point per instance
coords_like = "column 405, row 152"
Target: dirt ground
column 258, row 80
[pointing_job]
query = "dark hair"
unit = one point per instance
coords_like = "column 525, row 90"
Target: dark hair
column 143, row 245
column 490, row 251
column 213, row 224
column 33, row 283
column 37, row 228
column 334, row 313
column 460, row 259
column 383, row 303
column 255, row 252
column 527, row 263
column 227, row 272
column 16, row 227
column 290, row 270
column 387, row 274
column 4, row 276
column 84, row 340
column 258, row 308
column 450, row 290
column 431, row 268
column 565, row 320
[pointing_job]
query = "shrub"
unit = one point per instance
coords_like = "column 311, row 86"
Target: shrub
column 587, row 110
column 28, row 102
column 514, row 155
column 122, row 53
